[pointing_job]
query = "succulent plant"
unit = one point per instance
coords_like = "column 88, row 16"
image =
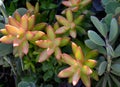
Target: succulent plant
column 52, row 44
column 19, row 31
column 81, row 66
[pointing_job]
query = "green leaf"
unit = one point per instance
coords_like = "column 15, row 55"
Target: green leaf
column 92, row 45
column 5, row 49
column 109, row 81
column 110, row 51
column 91, row 54
column 117, row 82
column 117, row 10
column 48, row 75
column 99, row 26
column 113, row 29
column 102, row 68
column 96, row 38
column 115, row 73
column 116, row 67
column 117, row 51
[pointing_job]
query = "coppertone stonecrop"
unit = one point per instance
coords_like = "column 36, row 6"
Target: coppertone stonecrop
column 51, row 44
column 68, row 24
column 80, row 66
column 19, row 31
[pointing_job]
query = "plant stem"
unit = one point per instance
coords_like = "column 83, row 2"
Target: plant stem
column 108, row 57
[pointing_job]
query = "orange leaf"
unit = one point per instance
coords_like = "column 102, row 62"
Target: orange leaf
column 62, row 20
column 25, row 47
column 44, row 43
column 37, row 35
column 7, row 39
column 4, row 31
column 67, row 3
column 29, row 35
column 76, row 77
column 12, row 30
column 73, row 33
column 62, row 30
column 43, row 56
column 68, row 59
column 66, row 72
column 57, row 42
column 31, row 22
column 16, row 42
column 13, row 22
column 50, row 32
column 50, row 51
column 24, row 22
column 58, row 53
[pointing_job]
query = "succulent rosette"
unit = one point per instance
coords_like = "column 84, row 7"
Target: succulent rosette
column 19, row 31
column 81, row 67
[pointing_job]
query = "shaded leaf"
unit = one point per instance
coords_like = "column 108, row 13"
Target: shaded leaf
column 116, row 67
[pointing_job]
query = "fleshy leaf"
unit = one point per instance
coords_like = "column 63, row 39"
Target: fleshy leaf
column 43, row 56
column 96, row 38
column 31, row 21
column 86, row 70
column 62, row 30
column 24, row 22
column 58, row 53
column 13, row 22
column 73, row 33
column 91, row 63
column 62, row 20
column 3, row 31
column 67, row 3
column 76, row 77
column 69, row 15
column 66, row 72
column 17, row 16
column 79, row 54
column 86, row 80
column 68, row 59
column 50, row 33
column 36, row 7
column 57, row 41
column 43, row 43
column 64, row 41
column 12, row 30
column 25, row 47
column 40, row 26
column 91, row 54
column 74, row 48
column 79, row 19
column 29, row 6
column 7, row 39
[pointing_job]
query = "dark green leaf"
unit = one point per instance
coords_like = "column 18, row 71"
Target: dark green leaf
column 47, row 75
column 96, row 38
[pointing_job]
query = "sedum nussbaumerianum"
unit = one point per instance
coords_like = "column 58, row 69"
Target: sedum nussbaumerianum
column 19, row 31
column 80, row 67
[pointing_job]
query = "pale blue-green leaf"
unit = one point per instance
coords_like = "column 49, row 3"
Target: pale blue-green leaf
column 116, row 67
column 99, row 26
column 2, row 25
column 102, row 68
column 21, row 11
column 110, row 51
column 96, row 38
column 5, row 49
column 115, row 73
column 92, row 45
column 117, row 51
column 113, row 29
